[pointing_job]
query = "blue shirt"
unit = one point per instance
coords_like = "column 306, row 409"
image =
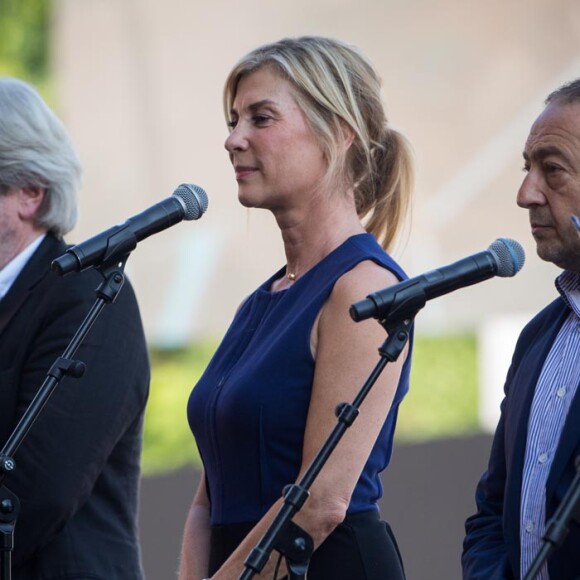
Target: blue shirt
column 248, row 411
column 553, row 396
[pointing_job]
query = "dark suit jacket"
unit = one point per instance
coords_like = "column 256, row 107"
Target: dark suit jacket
column 492, row 543
column 77, row 471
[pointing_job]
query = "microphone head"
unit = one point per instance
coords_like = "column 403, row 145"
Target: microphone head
column 193, row 199
column 509, row 255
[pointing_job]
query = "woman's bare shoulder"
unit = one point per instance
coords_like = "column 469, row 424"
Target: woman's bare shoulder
column 364, row 279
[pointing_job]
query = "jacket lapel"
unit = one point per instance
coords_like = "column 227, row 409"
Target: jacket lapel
column 530, row 367
column 522, row 392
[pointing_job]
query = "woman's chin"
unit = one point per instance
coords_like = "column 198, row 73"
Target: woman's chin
column 247, row 199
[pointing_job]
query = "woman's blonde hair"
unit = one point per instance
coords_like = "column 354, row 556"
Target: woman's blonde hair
column 338, row 88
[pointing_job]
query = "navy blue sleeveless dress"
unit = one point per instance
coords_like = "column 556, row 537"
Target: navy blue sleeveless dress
column 248, row 411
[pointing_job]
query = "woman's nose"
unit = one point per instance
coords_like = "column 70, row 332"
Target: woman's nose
column 236, row 140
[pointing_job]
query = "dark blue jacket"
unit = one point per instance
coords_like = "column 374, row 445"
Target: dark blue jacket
column 492, row 542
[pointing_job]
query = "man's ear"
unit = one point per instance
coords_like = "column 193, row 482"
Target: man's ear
column 30, row 200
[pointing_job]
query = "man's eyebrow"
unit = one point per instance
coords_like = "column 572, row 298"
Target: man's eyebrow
column 546, row 151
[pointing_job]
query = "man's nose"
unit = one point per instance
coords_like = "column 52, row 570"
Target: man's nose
column 531, row 191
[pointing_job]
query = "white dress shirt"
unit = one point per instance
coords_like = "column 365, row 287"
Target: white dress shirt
column 10, row 272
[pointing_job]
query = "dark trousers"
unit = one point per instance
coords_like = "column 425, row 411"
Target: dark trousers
column 362, row 547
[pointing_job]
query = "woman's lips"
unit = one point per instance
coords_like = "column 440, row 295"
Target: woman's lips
column 243, row 171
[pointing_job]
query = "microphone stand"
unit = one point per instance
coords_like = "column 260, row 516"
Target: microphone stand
column 557, row 528
column 283, row 535
column 107, row 292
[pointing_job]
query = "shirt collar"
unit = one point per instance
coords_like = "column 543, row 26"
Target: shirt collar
column 568, row 284
column 10, row 272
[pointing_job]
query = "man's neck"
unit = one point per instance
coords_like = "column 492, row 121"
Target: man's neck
column 12, row 245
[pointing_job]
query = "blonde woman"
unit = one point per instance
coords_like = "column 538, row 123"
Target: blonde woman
column 309, row 142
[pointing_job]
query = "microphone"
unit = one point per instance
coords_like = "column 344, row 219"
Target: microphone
column 504, row 258
column 188, row 202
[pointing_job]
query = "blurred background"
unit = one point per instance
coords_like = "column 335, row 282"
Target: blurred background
column 138, row 84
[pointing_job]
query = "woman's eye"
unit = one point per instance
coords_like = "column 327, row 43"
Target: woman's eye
column 232, row 123
column 260, row 119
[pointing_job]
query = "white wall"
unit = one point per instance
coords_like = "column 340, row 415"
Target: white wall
column 139, row 85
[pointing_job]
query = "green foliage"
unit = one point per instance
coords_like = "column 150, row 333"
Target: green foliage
column 24, row 39
column 442, row 400
column 167, row 441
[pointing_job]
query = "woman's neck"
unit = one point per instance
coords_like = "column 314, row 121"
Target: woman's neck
column 309, row 236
